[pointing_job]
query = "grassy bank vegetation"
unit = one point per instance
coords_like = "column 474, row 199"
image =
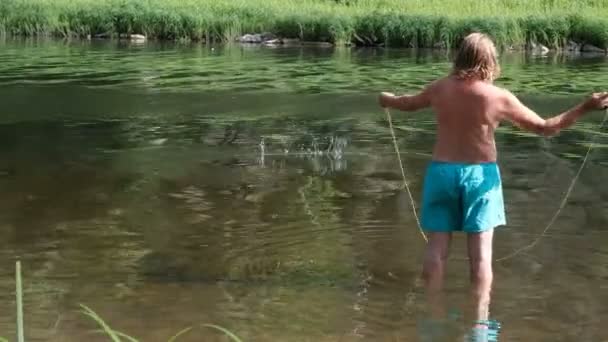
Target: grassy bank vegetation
column 410, row 23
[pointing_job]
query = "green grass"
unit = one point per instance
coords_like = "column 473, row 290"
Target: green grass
column 117, row 336
column 410, row 23
column 113, row 335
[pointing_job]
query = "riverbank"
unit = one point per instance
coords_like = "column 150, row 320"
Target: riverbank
column 575, row 25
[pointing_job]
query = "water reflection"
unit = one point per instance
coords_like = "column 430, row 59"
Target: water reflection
column 166, row 187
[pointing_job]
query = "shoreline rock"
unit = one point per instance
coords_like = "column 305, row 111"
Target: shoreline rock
column 537, row 48
column 592, row 49
column 257, row 38
column 271, row 40
column 133, row 37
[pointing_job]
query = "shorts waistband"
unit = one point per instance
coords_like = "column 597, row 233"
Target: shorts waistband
column 449, row 163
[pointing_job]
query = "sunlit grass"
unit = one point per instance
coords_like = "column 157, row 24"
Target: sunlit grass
column 117, row 336
column 390, row 22
column 105, row 328
column 114, row 335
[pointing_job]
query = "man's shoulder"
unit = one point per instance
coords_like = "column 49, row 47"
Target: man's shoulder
column 496, row 92
column 436, row 85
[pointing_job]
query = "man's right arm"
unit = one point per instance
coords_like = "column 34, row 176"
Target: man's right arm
column 511, row 109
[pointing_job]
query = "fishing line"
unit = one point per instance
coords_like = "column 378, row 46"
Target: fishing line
column 549, row 224
column 407, row 187
column 563, row 202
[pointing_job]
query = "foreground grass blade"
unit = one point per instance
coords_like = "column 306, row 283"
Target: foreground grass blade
column 20, row 334
column 225, row 331
column 2, row 339
column 129, row 338
column 180, row 333
column 106, row 329
column 120, row 334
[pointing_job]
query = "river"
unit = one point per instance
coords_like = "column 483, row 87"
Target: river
column 170, row 185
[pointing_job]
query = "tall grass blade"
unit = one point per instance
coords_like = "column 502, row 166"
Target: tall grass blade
column 20, row 334
column 411, row 23
column 180, row 333
column 106, row 329
column 129, row 338
column 120, row 334
column 225, row 331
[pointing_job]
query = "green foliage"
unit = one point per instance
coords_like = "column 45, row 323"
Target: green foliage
column 415, row 23
column 116, row 336
column 232, row 336
column 105, row 328
column 179, row 333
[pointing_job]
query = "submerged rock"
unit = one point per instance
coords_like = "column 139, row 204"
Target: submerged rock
column 317, row 44
column 251, row 38
column 137, row 37
column 134, row 37
column 102, row 36
column 273, row 42
column 592, row 48
column 440, row 46
column 538, row 48
column 573, row 46
column 290, row 41
column 257, row 38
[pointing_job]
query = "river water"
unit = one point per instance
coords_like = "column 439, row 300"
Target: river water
column 166, row 186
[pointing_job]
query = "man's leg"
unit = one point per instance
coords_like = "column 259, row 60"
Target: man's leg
column 480, row 260
column 433, row 271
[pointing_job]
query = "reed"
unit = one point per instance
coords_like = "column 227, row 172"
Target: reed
column 117, row 336
column 19, row 294
column 411, row 23
column 113, row 335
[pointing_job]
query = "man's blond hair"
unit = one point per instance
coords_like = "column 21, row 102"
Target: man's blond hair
column 477, row 59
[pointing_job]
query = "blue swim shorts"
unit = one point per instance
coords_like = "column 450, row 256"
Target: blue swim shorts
column 462, row 197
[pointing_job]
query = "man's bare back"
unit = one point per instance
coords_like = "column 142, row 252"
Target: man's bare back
column 462, row 190
column 467, row 116
column 469, row 111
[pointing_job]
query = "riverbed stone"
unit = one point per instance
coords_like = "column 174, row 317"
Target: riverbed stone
column 317, row 44
column 273, row 42
column 573, row 46
column 133, row 37
column 137, row 37
column 538, row 48
column 290, row 41
column 251, row 38
column 267, row 36
column 440, row 45
column 102, row 36
column 592, row 48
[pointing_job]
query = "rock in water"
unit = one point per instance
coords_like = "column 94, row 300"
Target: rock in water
column 251, row 38
column 137, row 37
column 573, row 46
column 538, row 48
column 592, row 48
column 133, row 37
column 288, row 41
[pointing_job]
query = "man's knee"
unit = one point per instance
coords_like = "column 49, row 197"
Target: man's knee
column 481, row 271
column 433, row 263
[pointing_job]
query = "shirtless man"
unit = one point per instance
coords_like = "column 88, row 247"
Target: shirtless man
column 462, row 187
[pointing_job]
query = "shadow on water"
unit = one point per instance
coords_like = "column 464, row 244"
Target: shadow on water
column 168, row 185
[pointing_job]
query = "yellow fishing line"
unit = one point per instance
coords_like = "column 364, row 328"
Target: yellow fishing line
column 563, row 202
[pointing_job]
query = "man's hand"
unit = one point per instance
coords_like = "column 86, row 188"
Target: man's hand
column 385, row 99
column 597, row 101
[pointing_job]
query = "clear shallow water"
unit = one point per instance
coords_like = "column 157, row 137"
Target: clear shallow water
column 133, row 182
